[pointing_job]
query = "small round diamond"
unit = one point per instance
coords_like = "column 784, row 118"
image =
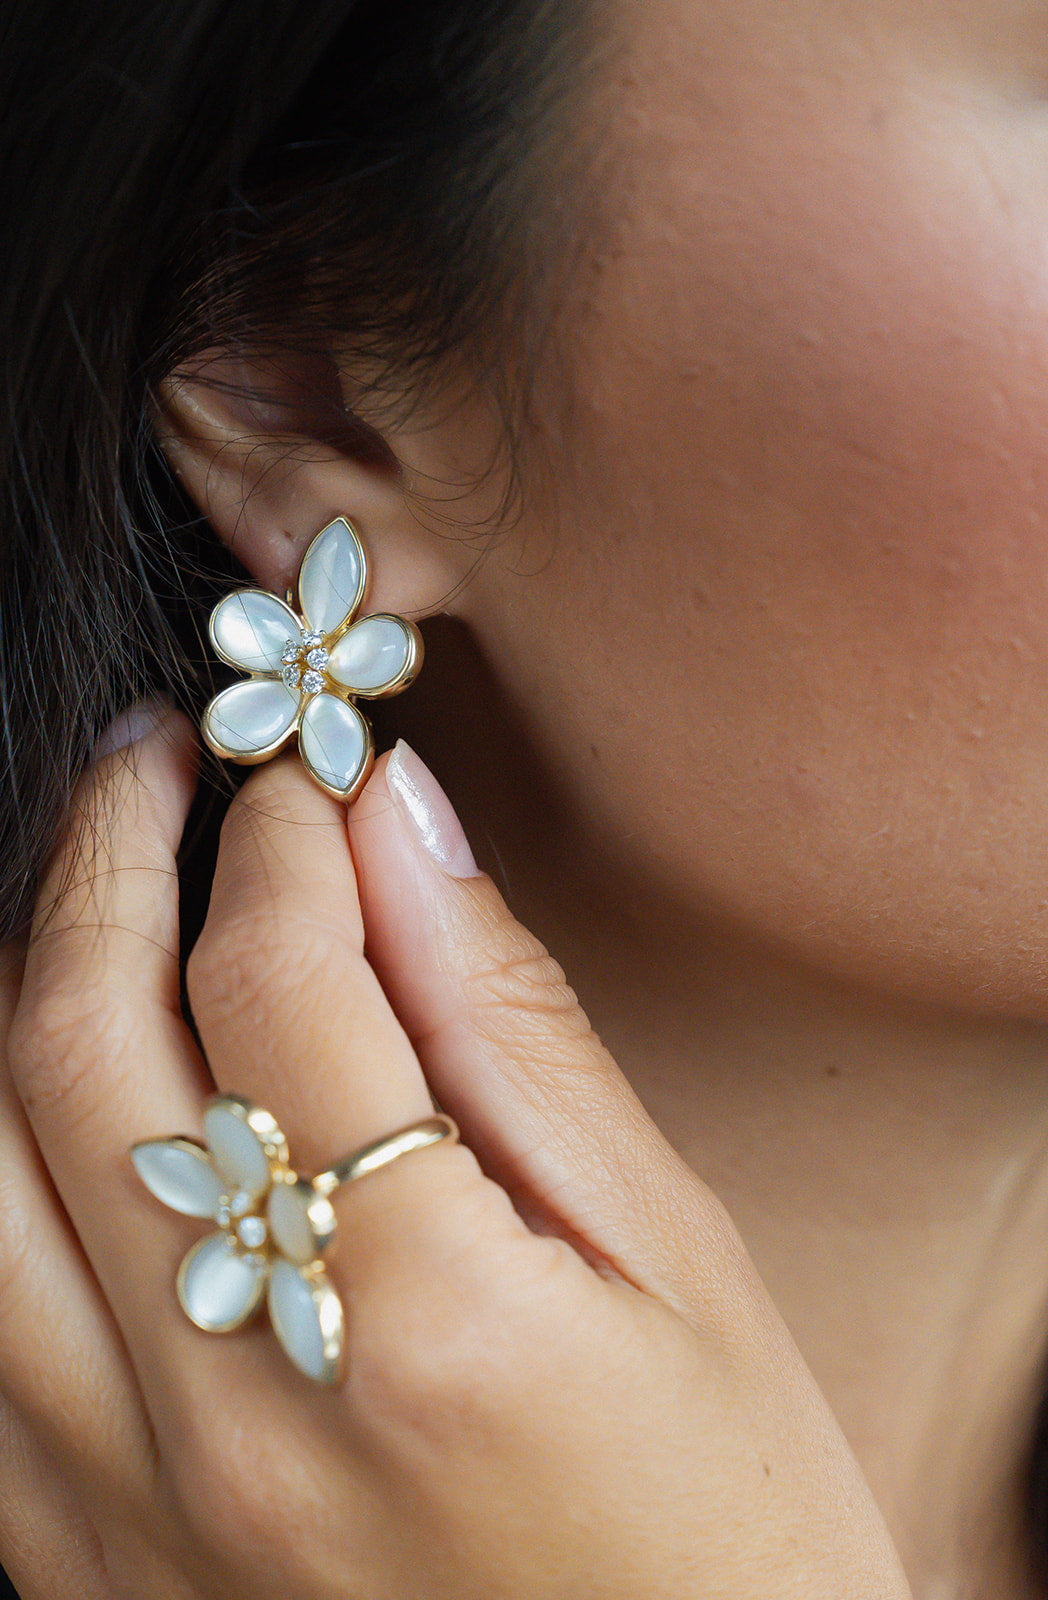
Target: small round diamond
column 240, row 1204
column 312, row 682
column 223, row 1215
column 252, row 1232
column 289, row 652
column 291, row 676
column 317, row 658
column 311, row 638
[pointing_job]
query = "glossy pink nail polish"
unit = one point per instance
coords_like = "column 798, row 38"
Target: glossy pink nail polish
column 429, row 813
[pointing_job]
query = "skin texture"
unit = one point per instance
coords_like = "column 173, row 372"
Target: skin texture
column 761, row 675
column 747, row 710
column 604, row 1407
column 808, row 530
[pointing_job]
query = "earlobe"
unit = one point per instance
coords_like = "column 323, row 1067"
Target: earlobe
column 266, row 449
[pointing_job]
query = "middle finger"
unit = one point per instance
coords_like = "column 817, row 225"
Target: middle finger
column 288, row 1009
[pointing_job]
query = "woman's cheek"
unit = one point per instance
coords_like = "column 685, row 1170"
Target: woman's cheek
column 813, row 405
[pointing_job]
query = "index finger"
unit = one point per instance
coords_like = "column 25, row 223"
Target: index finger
column 99, row 1053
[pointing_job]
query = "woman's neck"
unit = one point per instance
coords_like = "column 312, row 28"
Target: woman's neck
column 888, row 1170
column 886, row 1166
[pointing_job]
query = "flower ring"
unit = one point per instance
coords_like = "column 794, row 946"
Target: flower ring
column 305, row 669
column 272, row 1227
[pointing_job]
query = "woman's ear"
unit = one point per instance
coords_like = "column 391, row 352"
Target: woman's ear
column 266, row 448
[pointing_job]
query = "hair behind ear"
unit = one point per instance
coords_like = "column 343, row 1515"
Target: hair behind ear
column 205, row 174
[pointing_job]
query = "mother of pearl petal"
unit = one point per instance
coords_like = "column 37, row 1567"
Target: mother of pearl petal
column 331, row 577
column 180, row 1174
column 306, row 1314
column 372, row 655
column 236, row 1151
column 300, row 1220
column 218, row 1288
column 250, row 629
column 250, row 716
column 334, row 742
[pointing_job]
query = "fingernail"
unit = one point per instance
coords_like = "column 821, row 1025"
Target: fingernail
column 429, row 813
column 136, row 722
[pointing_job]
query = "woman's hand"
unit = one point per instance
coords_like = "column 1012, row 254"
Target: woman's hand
column 564, row 1377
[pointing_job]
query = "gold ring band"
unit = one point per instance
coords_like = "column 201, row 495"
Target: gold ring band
column 430, row 1130
column 273, row 1225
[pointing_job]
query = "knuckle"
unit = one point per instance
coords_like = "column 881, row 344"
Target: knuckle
column 272, row 794
column 236, row 967
column 414, row 1379
column 59, row 1035
column 233, row 1457
column 226, row 1472
column 726, row 1297
column 721, row 1241
column 424, row 1370
column 520, row 979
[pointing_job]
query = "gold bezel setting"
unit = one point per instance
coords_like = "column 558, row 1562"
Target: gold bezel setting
column 333, row 570
column 224, row 1277
column 253, row 1253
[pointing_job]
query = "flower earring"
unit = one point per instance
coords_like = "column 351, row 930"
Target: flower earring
column 307, row 667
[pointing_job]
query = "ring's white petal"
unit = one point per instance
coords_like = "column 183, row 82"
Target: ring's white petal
column 301, row 1221
column 180, row 1174
column 218, row 1288
column 376, row 655
column 250, row 628
column 238, row 1152
column 335, row 744
column 251, row 719
column 332, row 576
column 307, row 1318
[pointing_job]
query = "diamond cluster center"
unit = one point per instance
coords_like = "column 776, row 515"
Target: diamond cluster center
column 303, row 662
column 247, row 1232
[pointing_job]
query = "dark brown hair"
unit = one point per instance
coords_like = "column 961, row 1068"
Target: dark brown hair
column 357, row 176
